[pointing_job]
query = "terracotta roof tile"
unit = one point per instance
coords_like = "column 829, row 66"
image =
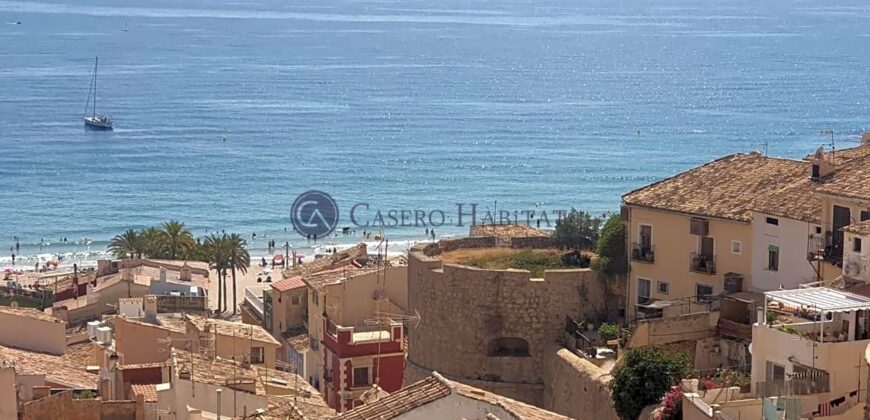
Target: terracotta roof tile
column 225, row 372
column 234, row 329
column 519, row 409
column 851, row 177
column 57, row 369
column 732, row 186
column 860, row 228
column 402, row 401
column 148, row 391
column 290, row 283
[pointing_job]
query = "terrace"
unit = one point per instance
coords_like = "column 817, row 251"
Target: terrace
column 818, row 313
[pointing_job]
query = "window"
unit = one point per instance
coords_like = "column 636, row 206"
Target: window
column 816, row 170
column 508, row 347
column 279, row 298
column 865, row 215
column 775, row 372
column 773, row 258
column 295, row 299
column 663, row 287
column 736, row 247
column 643, row 289
column 856, row 245
column 257, row 355
column 773, row 221
column 700, row 227
column 645, row 237
column 316, row 298
column 818, row 230
column 704, row 292
column 360, row 377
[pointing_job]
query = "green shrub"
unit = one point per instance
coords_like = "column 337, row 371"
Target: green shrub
column 646, row 374
column 608, row 332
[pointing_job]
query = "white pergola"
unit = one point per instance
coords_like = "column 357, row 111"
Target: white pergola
column 822, row 299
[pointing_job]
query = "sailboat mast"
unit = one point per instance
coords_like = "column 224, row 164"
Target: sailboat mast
column 95, row 85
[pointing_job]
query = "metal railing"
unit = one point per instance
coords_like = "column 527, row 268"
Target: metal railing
column 643, row 252
column 701, row 263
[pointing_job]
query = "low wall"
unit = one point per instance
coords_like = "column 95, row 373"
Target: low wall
column 676, row 328
column 63, row 405
column 133, row 263
column 574, row 387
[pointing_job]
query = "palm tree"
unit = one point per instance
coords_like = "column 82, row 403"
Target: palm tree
column 178, row 239
column 152, row 242
column 216, row 249
column 240, row 260
column 126, row 245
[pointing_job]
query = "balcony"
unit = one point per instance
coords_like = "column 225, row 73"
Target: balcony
column 644, row 253
column 704, row 264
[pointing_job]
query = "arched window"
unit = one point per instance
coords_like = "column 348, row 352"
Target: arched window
column 508, row 347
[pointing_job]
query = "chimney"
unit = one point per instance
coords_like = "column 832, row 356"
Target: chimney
column 151, row 309
column 820, row 166
column 865, row 138
column 184, row 272
column 162, row 274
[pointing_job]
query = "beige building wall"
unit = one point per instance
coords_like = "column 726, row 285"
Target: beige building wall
column 288, row 309
column 25, row 332
column 839, row 359
column 144, row 343
column 184, row 393
column 674, row 244
column 667, row 330
column 8, row 393
column 232, row 347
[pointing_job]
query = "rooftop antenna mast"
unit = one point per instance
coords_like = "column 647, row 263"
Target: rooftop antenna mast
column 830, row 132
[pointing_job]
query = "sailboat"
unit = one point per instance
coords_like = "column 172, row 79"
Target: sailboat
column 95, row 121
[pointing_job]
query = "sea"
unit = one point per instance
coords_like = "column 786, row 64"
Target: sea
column 227, row 110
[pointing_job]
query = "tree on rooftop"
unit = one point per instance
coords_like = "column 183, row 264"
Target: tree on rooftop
column 577, row 230
column 646, row 374
column 239, row 260
column 610, row 248
column 126, row 245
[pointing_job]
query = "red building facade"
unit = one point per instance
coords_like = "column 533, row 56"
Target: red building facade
column 356, row 358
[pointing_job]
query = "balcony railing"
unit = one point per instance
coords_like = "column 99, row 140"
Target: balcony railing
column 700, row 263
column 643, row 253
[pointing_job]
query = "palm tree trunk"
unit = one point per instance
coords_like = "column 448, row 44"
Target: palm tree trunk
column 219, row 290
column 225, row 289
column 234, row 288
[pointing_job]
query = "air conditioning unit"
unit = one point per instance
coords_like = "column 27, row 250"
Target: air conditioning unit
column 104, row 335
column 92, row 329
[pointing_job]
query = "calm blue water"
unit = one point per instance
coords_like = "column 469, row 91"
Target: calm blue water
column 402, row 104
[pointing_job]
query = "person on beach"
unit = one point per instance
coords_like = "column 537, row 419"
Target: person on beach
column 13, row 259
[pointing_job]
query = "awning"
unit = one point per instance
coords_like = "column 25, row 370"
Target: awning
column 820, row 299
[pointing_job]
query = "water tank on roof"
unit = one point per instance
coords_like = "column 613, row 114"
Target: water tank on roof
column 104, row 335
column 92, row 329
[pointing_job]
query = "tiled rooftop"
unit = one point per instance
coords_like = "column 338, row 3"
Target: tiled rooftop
column 79, row 355
column 290, row 283
column 148, row 391
column 732, row 186
column 519, row 409
column 338, row 259
column 308, row 404
column 860, row 228
column 297, row 338
column 224, row 372
column 29, row 313
column 434, row 388
column 325, row 278
column 233, row 329
column 57, row 369
column 506, row 231
column 402, row 401
column 851, row 177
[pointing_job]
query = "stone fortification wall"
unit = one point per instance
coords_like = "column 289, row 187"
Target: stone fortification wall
column 492, row 326
column 576, row 388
